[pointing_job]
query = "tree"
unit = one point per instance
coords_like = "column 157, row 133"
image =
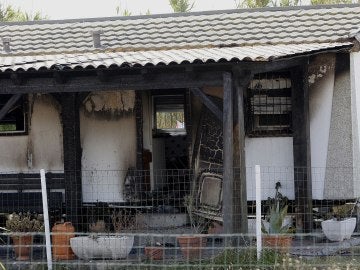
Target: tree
column 286, row 3
column 289, row 3
column 10, row 14
column 181, row 5
column 252, row 3
column 122, row 12
column 146, row 13
column 330, row 2
column 37, row 16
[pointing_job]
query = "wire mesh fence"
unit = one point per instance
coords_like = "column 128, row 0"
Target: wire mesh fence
column 145, row 251
column 174, row 219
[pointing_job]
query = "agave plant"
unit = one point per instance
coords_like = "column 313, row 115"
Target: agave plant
column 277, row 214
column 276, row 221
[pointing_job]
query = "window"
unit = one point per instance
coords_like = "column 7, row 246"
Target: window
column 169, row 114
column 269, row 105
column 14, row 122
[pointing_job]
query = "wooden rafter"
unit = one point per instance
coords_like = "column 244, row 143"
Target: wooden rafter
column 5, row 109
column 208, row 102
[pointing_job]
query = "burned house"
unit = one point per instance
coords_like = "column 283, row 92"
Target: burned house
column 115, row 108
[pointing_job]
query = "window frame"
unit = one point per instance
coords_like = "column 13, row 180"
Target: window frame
column 281, row 98
column 181, row 101
column 24, row 104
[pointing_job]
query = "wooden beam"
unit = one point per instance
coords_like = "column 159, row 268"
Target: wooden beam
column 139, row 132
column 17, row 79
column 72, row 157
column 301, row 149
column 191, row 72
column 228, row 174
column 169, row 77
column 102, row 75
column 91, row 83
column 148, row 75
column 11, row 102
column 208, row 102
column 59, row 77
column 262, row 67
column 81, row 97
column 240, row 223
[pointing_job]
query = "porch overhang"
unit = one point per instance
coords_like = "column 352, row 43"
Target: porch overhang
column 143, row 70
column 161, row 58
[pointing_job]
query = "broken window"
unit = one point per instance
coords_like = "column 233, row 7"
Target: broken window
column 269, row 105
column 14, row 122
column 169, row 114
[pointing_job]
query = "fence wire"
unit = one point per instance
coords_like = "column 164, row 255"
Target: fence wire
column 174, row 219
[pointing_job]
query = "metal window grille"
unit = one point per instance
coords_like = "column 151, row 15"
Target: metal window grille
column 269, row 105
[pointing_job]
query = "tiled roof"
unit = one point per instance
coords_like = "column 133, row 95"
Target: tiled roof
column 303, row 26
column 162, row 57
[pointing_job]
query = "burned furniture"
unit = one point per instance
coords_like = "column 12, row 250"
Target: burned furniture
column 209, row 196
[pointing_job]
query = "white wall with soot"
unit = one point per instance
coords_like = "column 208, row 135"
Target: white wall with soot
column 321, row 89
column 275, row 157
column 275, row 154
column 42, row 147
column 108, row 140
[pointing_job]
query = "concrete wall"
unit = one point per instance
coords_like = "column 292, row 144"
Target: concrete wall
column 108, row 140
column 355, row 105
column 334, row 113
column 339, row 171
column 42, row 147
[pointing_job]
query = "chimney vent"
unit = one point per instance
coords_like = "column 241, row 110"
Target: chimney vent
column 6, row 44
column 96, row 38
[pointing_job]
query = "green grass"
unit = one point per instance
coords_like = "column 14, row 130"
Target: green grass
column 231, row 259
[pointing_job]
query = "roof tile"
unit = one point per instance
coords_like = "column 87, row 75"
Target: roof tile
column 220, row 28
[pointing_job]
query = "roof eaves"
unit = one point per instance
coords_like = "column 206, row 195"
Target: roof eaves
column 355, row 34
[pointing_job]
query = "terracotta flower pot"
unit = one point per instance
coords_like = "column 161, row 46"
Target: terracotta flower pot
column 62, row 233
column 281, row 243
column 191, row 246
column 22, row 246
column 154, row 253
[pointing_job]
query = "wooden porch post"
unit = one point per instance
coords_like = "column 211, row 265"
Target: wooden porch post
column 139, row 131
column 241, row 82
column 301, row 148
column 72, row 157
column 228, row 174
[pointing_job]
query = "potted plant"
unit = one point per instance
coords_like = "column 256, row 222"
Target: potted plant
column 22, row 226
column 192, row 245
column 154, row 251
column 276, row 230
column 107, row 245
column 341, row 225
column 99, row 216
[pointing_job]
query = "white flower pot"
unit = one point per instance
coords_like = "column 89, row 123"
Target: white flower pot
column 102, row 247
column 338, row 230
